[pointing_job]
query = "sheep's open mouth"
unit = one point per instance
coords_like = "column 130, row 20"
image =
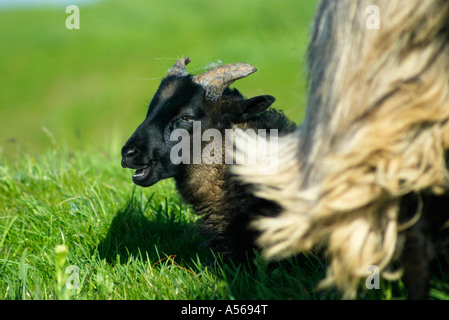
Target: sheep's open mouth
column 141, row 172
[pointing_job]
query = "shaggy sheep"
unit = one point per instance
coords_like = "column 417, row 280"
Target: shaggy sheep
column 365, row 175
column 203, row 102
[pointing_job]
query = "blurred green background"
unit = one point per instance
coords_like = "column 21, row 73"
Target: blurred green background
column 89, row 86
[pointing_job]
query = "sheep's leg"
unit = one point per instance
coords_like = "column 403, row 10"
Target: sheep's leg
column 241, row 237
column 416, row 258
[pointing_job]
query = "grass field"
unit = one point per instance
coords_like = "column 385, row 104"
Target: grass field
column 72, row 224
column 126, row 242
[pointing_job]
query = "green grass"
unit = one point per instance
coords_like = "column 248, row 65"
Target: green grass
column 89, row 82
column 127, row 242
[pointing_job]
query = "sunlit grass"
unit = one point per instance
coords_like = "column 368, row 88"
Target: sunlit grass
column 127, row 242
column 68, row 208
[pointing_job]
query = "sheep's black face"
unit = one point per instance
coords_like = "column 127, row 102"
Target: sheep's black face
column 177, row 103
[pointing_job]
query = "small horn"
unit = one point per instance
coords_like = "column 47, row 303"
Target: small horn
column 179, row 68
column 216, row 80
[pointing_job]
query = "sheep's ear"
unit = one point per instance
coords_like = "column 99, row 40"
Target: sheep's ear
column 251, row 107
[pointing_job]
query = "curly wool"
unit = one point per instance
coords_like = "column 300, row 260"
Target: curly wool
column 376, row 129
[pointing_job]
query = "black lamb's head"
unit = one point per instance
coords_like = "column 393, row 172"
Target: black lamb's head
column 182, row 101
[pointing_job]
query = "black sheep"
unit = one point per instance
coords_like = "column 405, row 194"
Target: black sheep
column 181, row 102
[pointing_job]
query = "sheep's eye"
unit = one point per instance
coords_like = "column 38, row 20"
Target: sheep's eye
column 187, row 118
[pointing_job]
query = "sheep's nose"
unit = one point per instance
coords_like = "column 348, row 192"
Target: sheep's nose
column 128, row 154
